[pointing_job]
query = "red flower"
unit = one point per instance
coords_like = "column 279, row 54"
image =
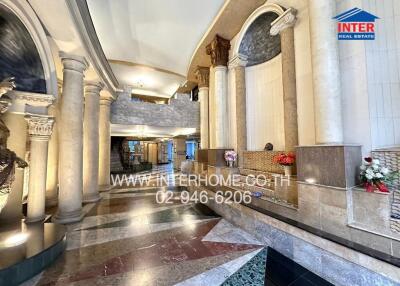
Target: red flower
column 368, row 159
column 285, row 159
column 382, row 187
column 369, row 187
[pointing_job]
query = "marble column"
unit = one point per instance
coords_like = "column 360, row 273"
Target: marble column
column 284, row 26
column 71, row 140
column 218, row 50
column 326, row 72
column 17, row 125
column 91, row 142
column 203, row 76
column 238, row 64
column 39, row 129
column 52, row 160
column 104, row 143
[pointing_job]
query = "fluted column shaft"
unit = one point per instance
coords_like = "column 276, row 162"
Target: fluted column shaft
column 238, row 64
column 52, row 160
column 326, row 72
column 91, row 142
column 284, row 26
column 71, row 140
column 203, row 78
column 40, row 129
column 204, row 121
column 104, row 144
column 218, row 50
column 221, row 106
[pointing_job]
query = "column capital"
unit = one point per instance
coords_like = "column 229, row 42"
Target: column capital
column 93, row 87
column 218, row 50
column 106, row 100
column 40, row 127
column 286, row 20
column 238, row 60
column 203, row 76
column 73, row 62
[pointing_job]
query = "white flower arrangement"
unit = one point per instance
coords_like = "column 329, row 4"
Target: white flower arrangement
column 374, row 174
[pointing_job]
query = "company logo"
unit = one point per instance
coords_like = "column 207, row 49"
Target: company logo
column 356, row 24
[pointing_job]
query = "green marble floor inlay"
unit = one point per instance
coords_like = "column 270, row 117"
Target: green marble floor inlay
column 250, row 274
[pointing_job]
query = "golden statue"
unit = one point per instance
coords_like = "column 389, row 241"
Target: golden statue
column 8, row 159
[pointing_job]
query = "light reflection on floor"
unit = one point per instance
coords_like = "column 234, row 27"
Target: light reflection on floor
column 130, row 239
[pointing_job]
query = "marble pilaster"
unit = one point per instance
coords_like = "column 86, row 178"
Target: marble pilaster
column 91, row 142
column 326, row 72
column 220, row 106
column 203, row 74
column 71, row 140
column 238, row 64
column 284, row 26
column 104, row 143
column 52, row 160
column 218, row 50
column 40, row 129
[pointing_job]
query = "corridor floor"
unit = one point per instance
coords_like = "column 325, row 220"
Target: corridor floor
column 129, row 239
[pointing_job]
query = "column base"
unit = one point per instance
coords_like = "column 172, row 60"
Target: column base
column 51, row 202
column 35, row 219
column 105, row 188
column 329, row 165
column 68, row 217
column 91, row 198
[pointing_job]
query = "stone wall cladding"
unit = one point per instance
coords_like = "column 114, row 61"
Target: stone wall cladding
column 262, row 161
column 181, row 112
column 335, row 263
column 390, row 159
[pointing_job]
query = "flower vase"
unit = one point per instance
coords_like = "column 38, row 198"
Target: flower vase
column 288, row 170
column 369, row 187
column 382, row 187
column 230, row 164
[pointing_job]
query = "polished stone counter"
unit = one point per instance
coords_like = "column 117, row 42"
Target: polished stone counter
column 26, row 249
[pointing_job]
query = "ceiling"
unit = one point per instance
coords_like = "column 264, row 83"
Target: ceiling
column 227, row 25
column 150, row 43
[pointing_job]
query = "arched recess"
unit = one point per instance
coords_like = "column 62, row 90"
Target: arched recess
column 266, row 8
column 24, row 12
column 263, row 76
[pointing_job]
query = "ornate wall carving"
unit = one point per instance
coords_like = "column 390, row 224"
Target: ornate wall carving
column 218, row 50
column 203, row 76
column 19, row 56
column 258, row 45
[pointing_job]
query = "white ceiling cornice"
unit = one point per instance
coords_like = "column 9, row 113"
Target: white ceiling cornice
column 83, row 23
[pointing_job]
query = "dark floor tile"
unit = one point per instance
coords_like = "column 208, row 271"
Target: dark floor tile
column 281, row 270
column 316, row 280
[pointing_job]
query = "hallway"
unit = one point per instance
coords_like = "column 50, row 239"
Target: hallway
column 129, row 239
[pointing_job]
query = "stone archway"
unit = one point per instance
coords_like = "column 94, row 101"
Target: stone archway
column 37, row 87
column 279, row 41
column 25, row 14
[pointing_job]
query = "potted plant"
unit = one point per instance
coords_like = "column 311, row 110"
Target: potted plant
column 230, row 157
column 287, row 160
column 374, row 176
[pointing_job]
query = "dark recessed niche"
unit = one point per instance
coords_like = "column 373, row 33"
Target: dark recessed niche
column 18, row 54
column 257, row 44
